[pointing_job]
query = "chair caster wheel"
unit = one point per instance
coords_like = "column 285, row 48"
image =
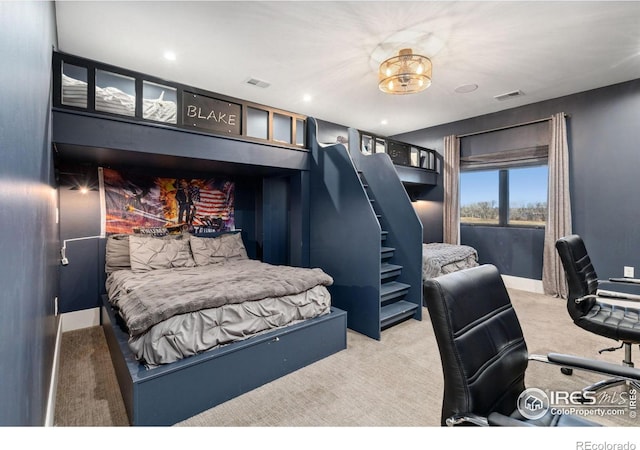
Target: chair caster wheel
column 566, row 371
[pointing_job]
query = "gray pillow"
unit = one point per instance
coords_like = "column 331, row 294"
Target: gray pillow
column 150, row 253
column 117, row 253
column 117, row 250
column 218, row 249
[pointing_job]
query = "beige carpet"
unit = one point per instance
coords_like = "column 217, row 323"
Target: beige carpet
column 394, row 382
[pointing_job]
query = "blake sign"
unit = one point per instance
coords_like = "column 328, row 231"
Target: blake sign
column 215, row 115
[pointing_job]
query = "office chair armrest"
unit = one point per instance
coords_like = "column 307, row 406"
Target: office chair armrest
column 585, row 297
column 589, row 365
column 603, row 293
column 500, row 420
column 471, row 418
column 625, row 280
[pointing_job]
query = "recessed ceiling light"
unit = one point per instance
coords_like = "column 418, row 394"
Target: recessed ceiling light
column 466, row 88
column 170, row 56
column 383, row 122
column 307, row 98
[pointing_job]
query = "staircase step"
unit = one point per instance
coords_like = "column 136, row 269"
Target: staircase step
column 393, row 289
column 386, row 252
column 389, row 270
column 383, row 235
column 395, row 312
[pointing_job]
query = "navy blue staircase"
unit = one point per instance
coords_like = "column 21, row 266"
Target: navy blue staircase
column 393, row 306
column 365, row 234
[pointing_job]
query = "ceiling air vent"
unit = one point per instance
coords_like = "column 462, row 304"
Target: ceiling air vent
column 509, row 95
column 257, row 82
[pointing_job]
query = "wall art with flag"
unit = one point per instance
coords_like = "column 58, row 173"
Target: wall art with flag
column 135, row 203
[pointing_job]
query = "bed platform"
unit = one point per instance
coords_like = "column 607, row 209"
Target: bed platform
column 169, row 394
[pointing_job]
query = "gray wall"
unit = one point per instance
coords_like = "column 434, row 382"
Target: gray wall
column 28, row 269
column 604, row 154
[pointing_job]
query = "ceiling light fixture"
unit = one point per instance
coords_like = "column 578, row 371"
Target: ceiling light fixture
column 406, row 73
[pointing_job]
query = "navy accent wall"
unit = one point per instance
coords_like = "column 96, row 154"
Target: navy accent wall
column 28, row 269
column 603, row 163
column 82, row 280
column 275, row 222
column 513, row 250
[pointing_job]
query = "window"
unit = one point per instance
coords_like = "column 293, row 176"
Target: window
column 281, row 128
column 257, row 123
column 479, row 196
column 528, row 196
column 516, row 196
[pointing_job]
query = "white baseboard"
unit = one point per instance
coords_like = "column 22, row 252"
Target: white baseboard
column 80, row 319
column 53, row 384
column 523, row 284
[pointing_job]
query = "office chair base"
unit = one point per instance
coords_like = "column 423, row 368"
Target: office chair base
column 611, row 382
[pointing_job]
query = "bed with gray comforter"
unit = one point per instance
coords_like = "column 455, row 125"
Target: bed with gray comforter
column 174, row 307
column 439, row 259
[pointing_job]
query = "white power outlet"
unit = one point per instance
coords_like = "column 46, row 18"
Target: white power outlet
column 628, row 271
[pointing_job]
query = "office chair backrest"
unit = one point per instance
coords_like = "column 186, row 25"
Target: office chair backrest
column 581, row 276
column 482, row 349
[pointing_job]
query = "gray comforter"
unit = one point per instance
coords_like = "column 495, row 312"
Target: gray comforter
column 145, row 299
column 439, row 259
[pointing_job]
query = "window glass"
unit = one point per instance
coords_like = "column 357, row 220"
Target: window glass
column 282, row 128
column 415, row 157
column 159, row 102
column 257, row 123
column 300, row 132
column 479, row 197
column 528, row 196
column 74, row 85
column 367, row 145
column 115, row 93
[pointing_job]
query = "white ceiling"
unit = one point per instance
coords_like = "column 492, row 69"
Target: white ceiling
column 327, row 50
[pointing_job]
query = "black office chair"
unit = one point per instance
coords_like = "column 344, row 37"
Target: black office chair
column 590, row 307
column 484, row 355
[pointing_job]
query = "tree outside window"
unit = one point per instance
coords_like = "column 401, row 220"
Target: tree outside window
column 515, row 196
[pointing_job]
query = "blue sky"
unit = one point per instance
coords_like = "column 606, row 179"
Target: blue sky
column 526, row 185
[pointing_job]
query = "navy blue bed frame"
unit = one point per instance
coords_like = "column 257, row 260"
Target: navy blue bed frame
column 169, row 394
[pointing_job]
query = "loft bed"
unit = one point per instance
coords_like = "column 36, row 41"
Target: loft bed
column 90, row 88
column 105, row 115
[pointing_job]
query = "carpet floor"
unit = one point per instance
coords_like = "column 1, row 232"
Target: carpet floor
column 394, row 382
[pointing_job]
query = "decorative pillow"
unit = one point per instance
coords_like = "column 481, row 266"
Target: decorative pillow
column 117, row 253
column 218, row 249
column 149, row 253
column 117, row 250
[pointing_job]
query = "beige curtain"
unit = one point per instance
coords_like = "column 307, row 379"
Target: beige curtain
column 451, row 179
column 559, row 208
